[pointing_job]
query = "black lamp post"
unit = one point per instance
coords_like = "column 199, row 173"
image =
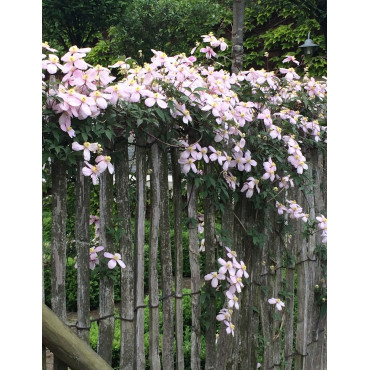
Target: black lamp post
column 308, row 46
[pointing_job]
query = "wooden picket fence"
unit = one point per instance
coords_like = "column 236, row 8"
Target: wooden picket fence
column 290, row 267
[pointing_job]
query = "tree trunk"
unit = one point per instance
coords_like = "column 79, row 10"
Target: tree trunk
column 82, row 236
column 140, row 252
column 58, row 245
column 106, row 285
column 166, row 262
column 154, row 359
column 237, row 36
column 177, row 214
column 209, row 242
column 192, row 192
column 127, row 274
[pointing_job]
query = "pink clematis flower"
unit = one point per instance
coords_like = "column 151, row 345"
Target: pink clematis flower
column 155, row 98
column 94, row 256
column 91, row 171
column 226, row 266
column 188, row 164
column 215, row 277
column 216, row 155
column 279, row 304
column 289, row 73
column 230, row 327
column 249, row 162
column 233, row 300
column 116, row 258
column 249, row 186
column 103, row 161
column 270, row 168
column 266, row 116
column 86, row 147
column 290, row 58
column 209, row 52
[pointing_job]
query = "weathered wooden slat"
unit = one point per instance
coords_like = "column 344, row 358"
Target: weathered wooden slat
column 209, row 242
column 127, row 348
column 67, row 346
column 106, row 286
column 154, row 359
column 139, row 363
column 305, row 273
column 291, row 245
column 58, row 244
column 224, row 340
column 82, row 237
column 192, row 191
column 166, row 263
column 177, row 215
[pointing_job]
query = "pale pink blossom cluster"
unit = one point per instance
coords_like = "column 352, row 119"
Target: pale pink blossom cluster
column 293, row 209
column 78, row 93
column 86, row 91
column 323, row 225
column 103, row 161
column 233, row 271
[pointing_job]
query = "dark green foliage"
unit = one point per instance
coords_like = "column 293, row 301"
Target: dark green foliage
column 76, row 22
column 172, row 26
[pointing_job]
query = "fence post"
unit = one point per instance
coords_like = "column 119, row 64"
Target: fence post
column 82, row 236
column 58, row 245
column 139, row 251
column 224, row 341
column 127, row 348
column 106, row 286
column 177, row 214
column 166, row 262
column 192, row 193
column 154, row 360
column 209, row 242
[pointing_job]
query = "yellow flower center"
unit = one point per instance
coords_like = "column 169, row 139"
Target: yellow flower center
column 86, row 144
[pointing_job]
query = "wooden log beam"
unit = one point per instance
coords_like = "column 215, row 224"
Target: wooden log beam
column 67, row 346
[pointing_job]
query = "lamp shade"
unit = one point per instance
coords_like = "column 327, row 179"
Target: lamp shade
column 308, row 46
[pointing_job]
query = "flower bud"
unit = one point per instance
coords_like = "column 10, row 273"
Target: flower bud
column 317, row 287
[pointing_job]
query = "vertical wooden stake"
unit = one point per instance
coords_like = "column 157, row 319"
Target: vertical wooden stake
column 58, row 245
column 154, row 359
column 166, row 262
column 140, row 252
column 192, row 191
column 209, row 242
column 106, row 286
column 177, row 206
column 82, row 236
column 127, row 348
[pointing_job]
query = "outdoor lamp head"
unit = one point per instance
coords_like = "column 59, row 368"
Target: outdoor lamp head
column 308, row 46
